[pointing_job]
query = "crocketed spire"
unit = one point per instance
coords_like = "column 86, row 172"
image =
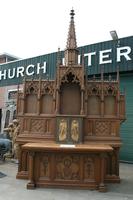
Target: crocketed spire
column 71, row 40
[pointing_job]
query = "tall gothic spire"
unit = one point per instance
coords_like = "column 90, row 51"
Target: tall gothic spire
column 71, row 40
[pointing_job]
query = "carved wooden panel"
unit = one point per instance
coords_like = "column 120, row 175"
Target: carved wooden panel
column 113, row 130
column 25, row 158
column 26, row 124
column 88, row 127
column 67, row 167
column 49, row 126
column 102, row 128
column 44, row 166
column 112, row 163
column 89, row 168
column 37, row 126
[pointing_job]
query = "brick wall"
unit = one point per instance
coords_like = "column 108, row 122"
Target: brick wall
column 4, row 93
column 3, row 60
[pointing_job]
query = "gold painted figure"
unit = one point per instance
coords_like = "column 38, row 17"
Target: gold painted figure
column 62, row 130
column 75, row 130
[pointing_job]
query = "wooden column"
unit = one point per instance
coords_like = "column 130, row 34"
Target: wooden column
column 31, row 184
column 117, row 161
column 39, row 98
column 23, row 98
column 82, row 102
column 20, row 158
column 102, row 103
column 102, row 92
column 118, row 103
column 57, row 101
column 102, row 187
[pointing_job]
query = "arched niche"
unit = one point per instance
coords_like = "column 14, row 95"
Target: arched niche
column 14, row 114
column 31, row 102
column 7, row 118
column 94, row 105
column 70, row 96
column 47, row 104
column 110, row 105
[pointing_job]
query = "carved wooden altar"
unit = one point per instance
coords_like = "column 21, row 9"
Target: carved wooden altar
column 70, row 110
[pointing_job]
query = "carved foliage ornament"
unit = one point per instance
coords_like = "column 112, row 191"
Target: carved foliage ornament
column 73, row 75
column 47, row 88
column 110, row 90
column 94, row 90
column 32, row 87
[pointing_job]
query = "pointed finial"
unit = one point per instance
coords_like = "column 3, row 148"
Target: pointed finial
column 82, row 56
column 110, row 77
column 71, row 40
column 72, row 14
column 58, row 57
column 102, row 72
column 118, row 74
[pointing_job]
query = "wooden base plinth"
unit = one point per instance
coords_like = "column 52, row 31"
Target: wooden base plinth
column 102, row 188
column 22, row 175
column 31, row 186
column 112, row 179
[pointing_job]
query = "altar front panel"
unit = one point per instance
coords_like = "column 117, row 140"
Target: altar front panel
column 66, row 167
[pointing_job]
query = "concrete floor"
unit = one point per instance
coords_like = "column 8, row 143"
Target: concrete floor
column 14, row 189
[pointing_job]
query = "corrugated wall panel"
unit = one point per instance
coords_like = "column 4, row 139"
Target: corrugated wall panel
column 95, row 67
column 126, row 152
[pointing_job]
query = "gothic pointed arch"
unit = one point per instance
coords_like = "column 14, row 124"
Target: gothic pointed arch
column 47, row 92
column 31, row 92
column 70, row 96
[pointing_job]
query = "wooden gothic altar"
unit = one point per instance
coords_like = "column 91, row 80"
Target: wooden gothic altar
column 69, row 127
